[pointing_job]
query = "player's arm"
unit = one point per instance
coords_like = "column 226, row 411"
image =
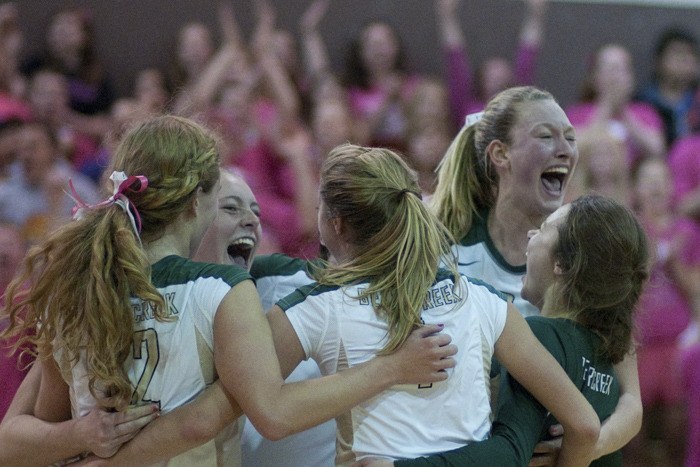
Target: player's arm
column 30, row 441
column 532, row 366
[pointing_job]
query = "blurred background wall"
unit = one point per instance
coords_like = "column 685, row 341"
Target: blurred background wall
column 132, row 35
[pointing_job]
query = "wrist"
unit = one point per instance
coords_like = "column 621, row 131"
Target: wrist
column 75, row 436
column 386, row 371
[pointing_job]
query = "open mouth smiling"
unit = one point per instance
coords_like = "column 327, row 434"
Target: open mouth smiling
column 553, row 179
column 241, row 251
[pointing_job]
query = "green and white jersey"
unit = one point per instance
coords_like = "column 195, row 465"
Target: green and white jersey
column 521, row 421
column 276, row 277
column 478, row 257
column 339, row 331
column 172, row 361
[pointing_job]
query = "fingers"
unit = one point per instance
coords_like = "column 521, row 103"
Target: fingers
column 556, row 430
column 133, row 427
column 134, row 413
column 446, row 351
column 543, row 448
column 539, row 461
column 429, row 329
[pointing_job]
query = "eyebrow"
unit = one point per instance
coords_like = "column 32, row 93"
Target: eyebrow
column 239, row 200
column 232, row 198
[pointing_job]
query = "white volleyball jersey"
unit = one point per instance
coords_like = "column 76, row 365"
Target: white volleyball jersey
column 340, row 331
column 276, row 277
column 172, row 361
column 478, row 257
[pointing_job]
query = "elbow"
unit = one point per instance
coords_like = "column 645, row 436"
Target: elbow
column 272, row 426
column 636, row 413
column 586, row 430
column 197, row 430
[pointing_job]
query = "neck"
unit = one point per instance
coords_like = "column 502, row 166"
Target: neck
column 508, row 227
column 171, row 243
column 427, row 180
column 551, row 306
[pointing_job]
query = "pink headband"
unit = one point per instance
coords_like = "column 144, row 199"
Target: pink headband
column 122, row 184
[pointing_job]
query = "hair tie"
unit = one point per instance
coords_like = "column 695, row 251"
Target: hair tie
column 406, row 190
column 122, row 184
column 473, row 118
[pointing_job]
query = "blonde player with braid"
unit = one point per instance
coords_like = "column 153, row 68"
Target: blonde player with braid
column 124, row 318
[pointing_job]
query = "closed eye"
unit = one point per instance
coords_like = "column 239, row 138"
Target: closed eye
column 230, row 208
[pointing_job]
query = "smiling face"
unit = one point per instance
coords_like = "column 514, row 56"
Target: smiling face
column 540, row 157
column 540, row 259
column 235, row 233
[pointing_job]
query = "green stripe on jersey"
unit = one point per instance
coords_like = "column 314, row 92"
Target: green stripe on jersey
column 174, row 270
column 277, row 264
column 300, row 294
column 479, row 233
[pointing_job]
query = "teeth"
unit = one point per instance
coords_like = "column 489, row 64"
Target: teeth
column 244, row 241
column 557, row 170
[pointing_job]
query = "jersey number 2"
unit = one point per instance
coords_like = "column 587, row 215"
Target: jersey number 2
column 150, row 337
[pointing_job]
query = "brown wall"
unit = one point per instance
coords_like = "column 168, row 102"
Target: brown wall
column 133, row 34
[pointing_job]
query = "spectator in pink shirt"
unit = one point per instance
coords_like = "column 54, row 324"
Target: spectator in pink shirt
column 665, row 308
column 469, row 91
column 379, row 84
column 684, row 160
column 606, row 101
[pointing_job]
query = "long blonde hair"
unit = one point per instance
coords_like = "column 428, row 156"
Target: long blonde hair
column 467, row 184
column 84, row 275
column 397, row 243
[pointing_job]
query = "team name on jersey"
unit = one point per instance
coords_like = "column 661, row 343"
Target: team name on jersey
column 143, row 311
column 595, row 380
column 437, row 296
column 441, row 296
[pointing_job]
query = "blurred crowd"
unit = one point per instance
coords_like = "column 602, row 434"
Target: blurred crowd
column 279, row 107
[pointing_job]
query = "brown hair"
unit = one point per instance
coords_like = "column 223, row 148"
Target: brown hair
column 602, row 250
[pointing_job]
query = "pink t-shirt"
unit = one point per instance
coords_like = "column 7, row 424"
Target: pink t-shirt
column 690, row 363
column 11, row 107
column 684, row 162
column 461, row 80
column 644, row 114
column 663, row 311
column 391, row 131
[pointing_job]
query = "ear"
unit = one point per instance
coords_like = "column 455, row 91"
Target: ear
column 558, row 270
column 338, row 226
column 497, row 151
column 195, row 203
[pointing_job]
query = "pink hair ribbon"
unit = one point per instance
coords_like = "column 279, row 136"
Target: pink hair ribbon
column 122, row 184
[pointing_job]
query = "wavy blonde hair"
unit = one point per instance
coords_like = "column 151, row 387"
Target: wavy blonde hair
column 467, row 184
column 398, row 244
column 84, row 275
